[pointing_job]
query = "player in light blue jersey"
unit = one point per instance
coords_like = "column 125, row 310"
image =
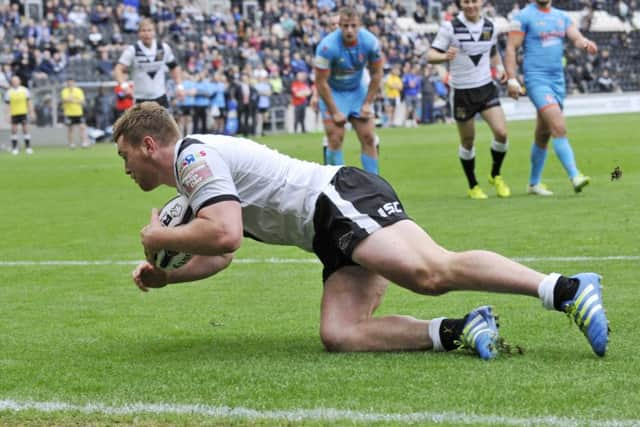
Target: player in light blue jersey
column 541, row 29
column 340, row 60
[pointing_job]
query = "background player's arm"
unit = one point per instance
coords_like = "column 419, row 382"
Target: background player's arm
column 119, row 73
column 514, row 41
column 435, row 56
column 496, row 63
column 580, row 41
column 122, row 67
column 176, row 75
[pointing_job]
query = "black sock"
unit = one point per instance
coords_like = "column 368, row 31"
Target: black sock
column 564, row 290
column 497, row 157
column 14, row 143
column 450, row 331
column 27, row 142
column 469, row 167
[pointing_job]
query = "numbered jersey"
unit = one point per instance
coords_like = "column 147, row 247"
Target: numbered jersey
column 476, row 42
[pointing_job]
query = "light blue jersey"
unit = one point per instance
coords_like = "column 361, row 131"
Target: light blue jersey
column 346, row 63
column 544, row 32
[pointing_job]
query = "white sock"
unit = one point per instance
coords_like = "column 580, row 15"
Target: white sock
column 434, row 333
column 499, row 147
column 545, row 290
column 465, row 154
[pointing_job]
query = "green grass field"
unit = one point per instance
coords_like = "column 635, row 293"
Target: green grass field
column 80, row 345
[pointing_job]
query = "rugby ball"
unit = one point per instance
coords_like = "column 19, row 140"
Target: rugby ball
column 174, row 213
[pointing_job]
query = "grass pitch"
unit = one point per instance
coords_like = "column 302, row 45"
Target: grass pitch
column 80, row 345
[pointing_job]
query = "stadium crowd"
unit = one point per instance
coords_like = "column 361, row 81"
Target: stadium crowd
column 268, row 48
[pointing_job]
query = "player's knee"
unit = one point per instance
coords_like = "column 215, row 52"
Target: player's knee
column 500, row 134
column 368, row 139
column 429, row 280
column 558, row 130
column 336, row 338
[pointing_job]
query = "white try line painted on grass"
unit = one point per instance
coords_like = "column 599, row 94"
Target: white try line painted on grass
column 320, row 414
column 65, row 263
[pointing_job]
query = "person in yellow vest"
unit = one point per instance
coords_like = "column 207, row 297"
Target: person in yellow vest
column 18, row 99
column 72, row 105
column 392, row 87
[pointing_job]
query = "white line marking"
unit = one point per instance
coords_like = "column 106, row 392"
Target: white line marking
column 320, row 414
column 63, row 263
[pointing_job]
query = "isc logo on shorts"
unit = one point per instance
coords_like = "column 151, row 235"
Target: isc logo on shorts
column 389, row 209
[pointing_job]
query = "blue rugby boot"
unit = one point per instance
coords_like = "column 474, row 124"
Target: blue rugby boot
column 587, row 311
column 480, row 333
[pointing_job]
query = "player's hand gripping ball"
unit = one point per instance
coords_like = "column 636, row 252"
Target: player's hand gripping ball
column 174, row 213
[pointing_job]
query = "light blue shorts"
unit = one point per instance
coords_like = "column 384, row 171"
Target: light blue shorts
column 544, row 92
column 349, row 102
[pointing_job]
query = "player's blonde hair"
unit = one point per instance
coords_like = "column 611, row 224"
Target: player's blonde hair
column 146, row 119
column 147, row 22
column 348, row 12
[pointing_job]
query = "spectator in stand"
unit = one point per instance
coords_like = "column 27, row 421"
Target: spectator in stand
column 73, row 102
column 24, row 64
column 419, row 15
column 605, row 83
column 78, row 16
column 130, row 19
column 300, row 93
column 43, row 65
column 392, row 89
column 75, row 47
column 104, row 66
column 411, row 89
column 95, row 39
column 99, row 15
column 298, row 64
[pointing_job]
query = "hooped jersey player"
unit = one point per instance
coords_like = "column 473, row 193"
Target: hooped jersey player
column 278, row 196
column 476, row 43
column 346, row 63
column 149, row 67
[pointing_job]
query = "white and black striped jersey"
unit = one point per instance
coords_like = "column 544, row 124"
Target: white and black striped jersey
column 277, row 193
column 476, row 42
column 148, row 67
